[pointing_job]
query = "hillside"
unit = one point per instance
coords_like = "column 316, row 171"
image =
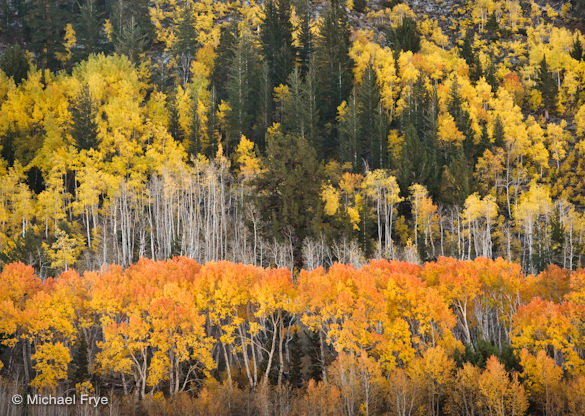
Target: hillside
column 418, row 130
column 292, row 207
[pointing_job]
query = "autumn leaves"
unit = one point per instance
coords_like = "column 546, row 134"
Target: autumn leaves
column 162, row 326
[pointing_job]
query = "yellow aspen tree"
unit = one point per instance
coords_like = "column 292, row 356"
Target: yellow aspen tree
column 542, row 379
column 383, row 190
column 500, row 395
column 65, row 250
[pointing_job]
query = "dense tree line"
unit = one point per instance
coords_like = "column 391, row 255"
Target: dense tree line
column 277, row 133
column 174, row 337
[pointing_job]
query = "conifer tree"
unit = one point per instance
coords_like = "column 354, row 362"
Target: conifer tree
column 311, row 104
column 305, row 37
column 295, row 373
column 547, row 86
column 225, row 52
column 242, row 89
column 419, row 159
column 276, row 35
column 14, row 63
column 490, row 77
column 405, row 37
column 577, row 50
column 294, row 117
column 373, row 120
column 80, row 363
column 88, row 29
column 557, row 236
column 350, row 134
column 44, row 21
column 287, row 192
column 334, row 67
column 186, row 45
column 499, row 132
column 492, row 27
column 466, row 50
column 84, row 128
column 462, row 119
column 133, row 30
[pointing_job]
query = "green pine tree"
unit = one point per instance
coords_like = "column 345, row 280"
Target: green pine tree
column 186, row 45
column 133, row 30
column 577, row 50
column 492, row 28
column 287, row 192
column 80, row 362
column 462, row 121
column 333, row 68
column 242, row 90
column 499, row 136
column 295, row 372
column 88, row 30
column 44, row 22
column 228, row 40
column 350, row 134
column 305, row 37
column 547, row 86
column 419, row 158
column 316, row 369
column 276, row 35
column 84, row 128
column 311, row 104
column 466, row 50
column 15, row 64
column 373, row 120
column 405, row 37
column 557, row 236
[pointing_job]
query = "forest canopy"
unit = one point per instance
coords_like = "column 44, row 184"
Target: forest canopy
column 450, row 337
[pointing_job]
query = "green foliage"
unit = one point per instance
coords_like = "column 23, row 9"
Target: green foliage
column 373, row 121
column 492, row 28
column 242, row 90
column 295, row 373
column 499, row 135
column 287, row 193
column 80, row 364
column 405, row 37
column 557, row 235
column 27, row 249
column 186, row 36
column 484, row 349
column 44, row 22
column 84, row 128
column 225, row 52
column 333, row 67
column 316, row 368
column 547, row 85
column 363, row 129
column 133, row 30
column 305, row 37
column 577, row 50
column 360, row 5
column 89, row 30
column 419, row 159
column 350, row 135
column 15, row 63
column 186, row 45
column 276, row 36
